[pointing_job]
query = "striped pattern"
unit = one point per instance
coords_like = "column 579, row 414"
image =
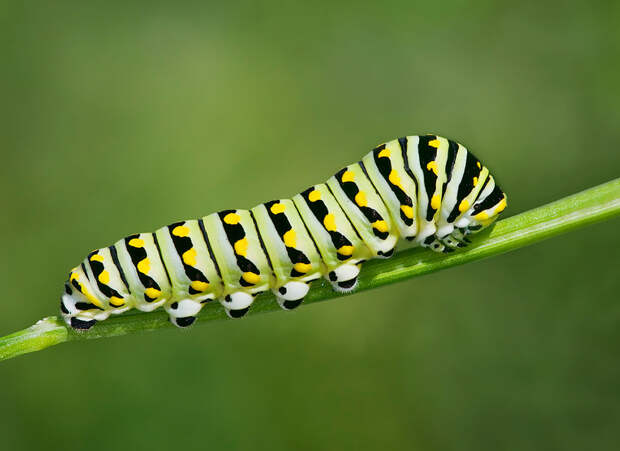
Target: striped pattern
column 424, row 189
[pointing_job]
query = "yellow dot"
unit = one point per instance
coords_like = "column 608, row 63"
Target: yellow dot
column 104, row 277
column 381, row 226
column 501, row 206
column 314, row 196
column 394, row 178
column 144, row 266
column 251, row 277
column 73, row 277
column 345, row 250
column 348, row 176
column 181, row 231
column 241, row 247
column 330, row 222
column 152, row 293
column 434, row 143
column 482, row 216
column 432, row 166
column 385, row 153
column 290, row 239
column 475, row 180
column 97, row 258
column 436, row 202
column 136, row 242
column 478, row 164
column 464, row 205
column 277, row 208
column 407, row 210
column 116, row 301
column 198, row 285
column 189, row 257
column 232, row 218
column 360, row 199
column 302, row 267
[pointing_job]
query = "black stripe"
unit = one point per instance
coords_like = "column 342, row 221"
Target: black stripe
column 492, row 199
column 260, row 240
column 316, row 247
column 426, row 155
column 201, row 224
column 405, row 154
column 466, row 186
column 452, row 152
column 117, row 263
column 161, row 258
column 344, row 214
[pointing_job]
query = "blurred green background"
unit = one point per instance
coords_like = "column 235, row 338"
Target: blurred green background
column 120, row 117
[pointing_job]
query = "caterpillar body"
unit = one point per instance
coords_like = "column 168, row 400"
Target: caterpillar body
column 425, row 189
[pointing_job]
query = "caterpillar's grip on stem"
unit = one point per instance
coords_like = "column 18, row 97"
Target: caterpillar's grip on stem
column 425, row 189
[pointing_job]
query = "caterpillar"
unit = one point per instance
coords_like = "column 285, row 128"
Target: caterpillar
column 425, row 189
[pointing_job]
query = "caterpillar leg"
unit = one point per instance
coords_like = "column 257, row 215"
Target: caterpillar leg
column 291, row 294
column 434, row 244
column 237, row 303
column 79, row 324
column 344, row 277
column 183, row 313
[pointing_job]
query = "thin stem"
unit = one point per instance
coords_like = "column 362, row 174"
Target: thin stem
column 593, row 205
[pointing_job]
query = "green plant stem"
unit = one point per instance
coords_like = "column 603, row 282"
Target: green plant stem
column 590, row 206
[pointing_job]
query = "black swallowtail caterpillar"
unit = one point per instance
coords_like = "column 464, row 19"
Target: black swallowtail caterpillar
column 425, row 189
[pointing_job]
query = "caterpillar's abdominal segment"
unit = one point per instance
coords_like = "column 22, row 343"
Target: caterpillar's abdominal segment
column 425, row 189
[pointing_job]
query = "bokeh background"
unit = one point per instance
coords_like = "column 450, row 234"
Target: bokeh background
column 120, row 117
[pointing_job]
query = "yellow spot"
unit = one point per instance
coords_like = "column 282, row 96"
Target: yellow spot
column 90, row 297
column 482, row 216
column 152, row 293
column 345, row 250
column 394, row 178
column 251, row 277
column 501, row 206
column 116, row 301
column 314, row 196
column 407, row 210
column 436, row 202
column 478, row 164
column 432, row 166
column 144, row 266
column 232, row 218
column 360, row 199
column 290, row 239
column 189, row 257
column 348, row 176
column 85, row 292
column 381, row 226
column 241, row 247
column 277, row 208
column 104, row 277
column 181, row 231
column 302, row 267
column 136, row 242
column 464, row 206
column 434, row 143
column 97, row 258
column 199, row 285
column 385, row 153
column 330, row 222
column 475, row 180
